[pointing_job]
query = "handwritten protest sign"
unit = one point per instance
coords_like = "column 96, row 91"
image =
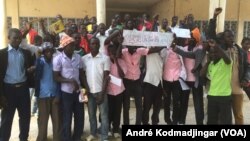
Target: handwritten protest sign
column 182, row 33
column 146, row 38
column 57, row 27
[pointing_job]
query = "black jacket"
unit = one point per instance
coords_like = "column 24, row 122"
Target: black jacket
column 28, row 62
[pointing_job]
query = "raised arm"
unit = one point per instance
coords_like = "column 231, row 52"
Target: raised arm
column 41, row 21
column 211, row 32
column 113, row 35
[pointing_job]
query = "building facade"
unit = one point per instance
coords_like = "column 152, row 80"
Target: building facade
column 235, row 12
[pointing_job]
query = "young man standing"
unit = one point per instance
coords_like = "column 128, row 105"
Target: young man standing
column 97, row 66
column 68, row 70
column 102, row 37
column 14, row 90
column 219, row 72
column 47, row 91
column 240, row 65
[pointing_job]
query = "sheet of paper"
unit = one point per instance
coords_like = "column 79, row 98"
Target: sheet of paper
column 182, row 33
column 184, row 86
column 115, row 80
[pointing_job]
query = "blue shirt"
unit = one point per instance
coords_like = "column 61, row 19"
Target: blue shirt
column 48, row 86
column 15, row 72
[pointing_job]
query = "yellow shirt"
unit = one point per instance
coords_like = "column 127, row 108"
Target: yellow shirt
column 220, row 76
column 89, row 28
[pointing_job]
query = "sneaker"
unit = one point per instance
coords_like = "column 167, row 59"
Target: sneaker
column 117, row 135
column 110, row 134
column 90, row 138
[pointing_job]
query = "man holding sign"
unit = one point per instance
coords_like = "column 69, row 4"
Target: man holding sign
column 132, row 56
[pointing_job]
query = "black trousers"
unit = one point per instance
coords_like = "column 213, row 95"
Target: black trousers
column 152, row 97
column 18, row 97
column 219, row 110
column 115, row 109
column 198, row 103
column 133, row 88
column 172, row 89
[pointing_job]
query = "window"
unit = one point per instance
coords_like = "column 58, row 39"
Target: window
column 246, row 32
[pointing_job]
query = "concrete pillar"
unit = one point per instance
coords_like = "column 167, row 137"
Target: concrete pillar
column 240, row 28
column 221, row 18
column 101, row 11
column 3, row 24
column 15, row 14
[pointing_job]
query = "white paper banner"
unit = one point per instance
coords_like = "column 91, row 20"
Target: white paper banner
column 146, row 38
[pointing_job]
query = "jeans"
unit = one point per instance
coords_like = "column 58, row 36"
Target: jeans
column 103, row 109
column 70, row 106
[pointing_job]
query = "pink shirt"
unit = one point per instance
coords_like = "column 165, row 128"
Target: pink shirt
column 133, row 62
column 112, row 88
column 189, row 65
column 172, row 67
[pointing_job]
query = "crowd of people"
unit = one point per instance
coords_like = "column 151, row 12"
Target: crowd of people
column 76, row 68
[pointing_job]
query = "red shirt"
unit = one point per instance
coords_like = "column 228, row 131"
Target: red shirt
column 85, row 43
column 31, row 36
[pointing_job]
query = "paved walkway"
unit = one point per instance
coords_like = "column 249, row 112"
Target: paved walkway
column 189, row 120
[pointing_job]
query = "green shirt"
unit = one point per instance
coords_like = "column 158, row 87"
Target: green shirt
column 119, row 26
column 220, row 76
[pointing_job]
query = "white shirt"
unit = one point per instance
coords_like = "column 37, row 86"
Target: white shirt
column 103, row 48
column 95, row 67
column 154, row 69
